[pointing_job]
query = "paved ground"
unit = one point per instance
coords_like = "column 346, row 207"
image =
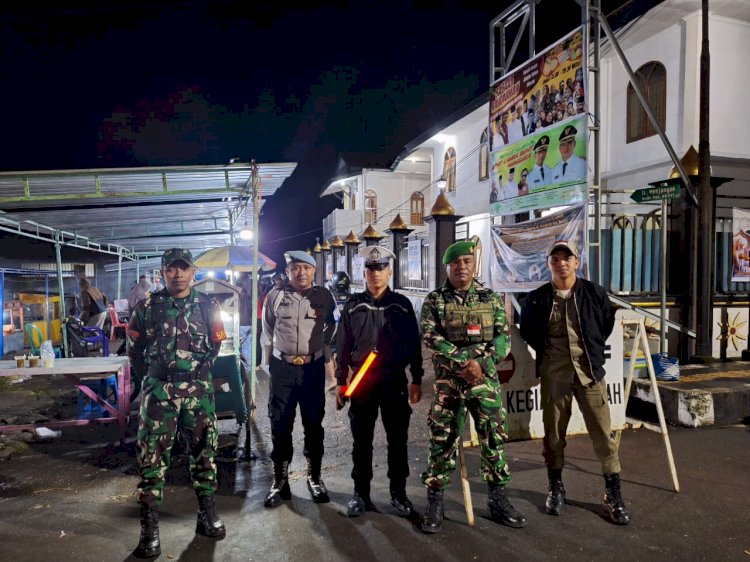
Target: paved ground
column 73, row 499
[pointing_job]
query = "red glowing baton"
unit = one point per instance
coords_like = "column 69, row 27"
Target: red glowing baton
column 361, row 373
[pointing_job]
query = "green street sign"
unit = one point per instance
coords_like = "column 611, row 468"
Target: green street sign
column 656, row 193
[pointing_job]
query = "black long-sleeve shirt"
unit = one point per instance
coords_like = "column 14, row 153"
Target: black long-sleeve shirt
column 388, row 325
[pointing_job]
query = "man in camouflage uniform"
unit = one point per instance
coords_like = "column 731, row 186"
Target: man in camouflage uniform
column 464, row 325
column 174, row 337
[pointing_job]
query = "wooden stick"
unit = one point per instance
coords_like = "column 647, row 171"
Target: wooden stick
column 465, row 484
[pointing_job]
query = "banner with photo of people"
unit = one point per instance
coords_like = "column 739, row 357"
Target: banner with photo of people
column 519, row 258
column 740, row 246
column 548, row 89
column 545, row 169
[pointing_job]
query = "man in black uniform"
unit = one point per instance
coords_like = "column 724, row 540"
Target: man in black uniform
column 381, row 321
column 340, row 283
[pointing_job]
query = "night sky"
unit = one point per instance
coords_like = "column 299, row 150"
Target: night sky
column 117, row 84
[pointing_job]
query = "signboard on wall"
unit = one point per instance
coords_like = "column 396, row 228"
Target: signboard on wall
column 414, row 264
column 341, row 263
column 358, row 266
column 329, row 266
column 740, row 245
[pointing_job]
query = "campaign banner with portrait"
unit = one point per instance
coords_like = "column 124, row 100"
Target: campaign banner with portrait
column 740, row 246
column 545, row 169
column 545, row 90
column 519, row 259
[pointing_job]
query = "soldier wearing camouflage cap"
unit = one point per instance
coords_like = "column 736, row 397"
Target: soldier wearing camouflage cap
column 173, row 339
column 465, row 327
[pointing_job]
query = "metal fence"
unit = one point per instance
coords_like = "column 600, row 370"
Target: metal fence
column 631, row 255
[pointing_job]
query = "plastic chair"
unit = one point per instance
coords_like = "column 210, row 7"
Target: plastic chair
column 115, row 321
column 34, row 334
column 106, row 389
column 96, row 336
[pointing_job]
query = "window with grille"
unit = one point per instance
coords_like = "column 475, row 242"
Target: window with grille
column 449, row 169
column 417, row 208
column 371, row 206
column 484, row 157
column 652, row 79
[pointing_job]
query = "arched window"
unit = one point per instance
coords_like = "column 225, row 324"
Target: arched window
column 417, row 208
column 371, row 206
column 484, row 157
column 449, row 169
column 652, row 78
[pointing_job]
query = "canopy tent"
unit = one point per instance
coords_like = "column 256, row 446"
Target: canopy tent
column 236, row 258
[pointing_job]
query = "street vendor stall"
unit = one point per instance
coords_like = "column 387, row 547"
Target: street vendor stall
column 231, row 382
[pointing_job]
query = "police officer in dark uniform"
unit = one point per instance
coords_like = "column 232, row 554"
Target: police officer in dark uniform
column 340, row 284
column 381, row 321
column 173, row 338
column 299, row 323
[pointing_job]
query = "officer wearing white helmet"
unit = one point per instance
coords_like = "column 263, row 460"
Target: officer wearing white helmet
column 382, row 322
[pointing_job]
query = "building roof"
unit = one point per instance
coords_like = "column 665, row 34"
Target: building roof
column 135, row 210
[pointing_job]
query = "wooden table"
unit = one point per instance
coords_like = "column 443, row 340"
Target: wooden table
column 76, row 370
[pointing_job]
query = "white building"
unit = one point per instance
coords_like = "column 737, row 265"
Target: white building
column 663, row 48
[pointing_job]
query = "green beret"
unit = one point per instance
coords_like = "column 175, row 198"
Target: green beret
column 458, row 249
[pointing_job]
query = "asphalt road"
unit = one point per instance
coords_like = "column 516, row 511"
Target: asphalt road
column 74, row 499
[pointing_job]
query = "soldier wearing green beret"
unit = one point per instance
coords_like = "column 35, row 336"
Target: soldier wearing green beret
column 465, row 327
column 173, row 339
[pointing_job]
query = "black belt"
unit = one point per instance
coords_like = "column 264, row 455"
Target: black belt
column 177, row 376
column 297, row 359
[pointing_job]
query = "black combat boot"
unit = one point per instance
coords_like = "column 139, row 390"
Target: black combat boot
column 502, row 510
column 556, row 496
column 359, row 504
column 401, row 503
column 149, row 545
column 280, row 489
column 209, row 524
column 315, row 484
column 613, row 503
column 433, row 517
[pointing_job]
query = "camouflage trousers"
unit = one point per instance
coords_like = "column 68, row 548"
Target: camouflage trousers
column 165, row 407
column 484, row 402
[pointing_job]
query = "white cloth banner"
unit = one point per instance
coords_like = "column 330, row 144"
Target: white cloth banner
column 520, row 250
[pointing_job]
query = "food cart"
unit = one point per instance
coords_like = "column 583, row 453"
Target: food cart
column 231, row 382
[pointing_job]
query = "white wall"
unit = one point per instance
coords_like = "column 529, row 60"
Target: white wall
column 394, row 190
column 471, row 195
column 730, row 84
column 678, row 49
column 666, row 48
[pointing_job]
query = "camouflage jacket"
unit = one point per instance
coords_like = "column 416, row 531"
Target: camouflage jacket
column 447, row 354
column 185, row 338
